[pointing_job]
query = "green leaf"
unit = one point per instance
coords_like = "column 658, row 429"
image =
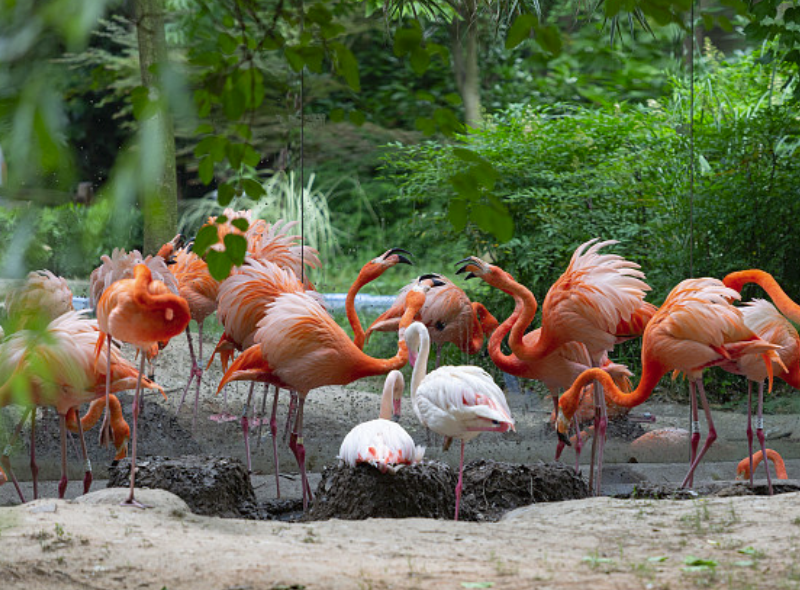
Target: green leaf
column 219, row 264
column 464, row 183
column 424, row 95
column 426, row 125
column 658, row 559
column 204, row 128
column 484, row 174
column 549, row 38
column 693, row 561
column 453, row 98
column 226, row 43
column 272, row 41
column 206, row 170
column 347, row 66
column 225, row 193
column 467, row 155
column 319, row 14
column 233, row 103
column 520, row 30
column 251, row 85
column 253, row 189
column 420, row 59
column 251, row 156
column 457, row 214
column 313, row 56
column 143, row 107
column 235, row 248
column 205, row 238
column 294, row 58
column 357, row 118
column 493, row 217
column 235, row 153
column 240, row 223
column 405, row 40
column 447, row 121
column 336, row 115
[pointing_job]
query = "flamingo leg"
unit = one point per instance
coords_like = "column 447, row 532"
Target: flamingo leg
column 87, row 464
column 694, row 427
column 34, row 466
column 62, row 483
column 246, row 427
column 5, row 459
column 105, row 428
column 460, row 483
column 712, row 436
column 199, row 372
column 750, row 427
column 299, row 449
column 560, row 444
column 131, row 501
column 261, row 415
column 578, row 444
column 600, row 432
column 291, row 413
column 273, row 428
column 192, row 371
column 760, row 434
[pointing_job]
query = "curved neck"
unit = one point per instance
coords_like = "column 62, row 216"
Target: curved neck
column 792, row 377
column 737, row 280
column 774, row 456
column 392, row 395
column 508, row 363
column 421, row 366
column 651, row 374
column 362, row 279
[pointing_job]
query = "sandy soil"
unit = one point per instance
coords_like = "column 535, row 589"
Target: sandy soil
column 91, row 542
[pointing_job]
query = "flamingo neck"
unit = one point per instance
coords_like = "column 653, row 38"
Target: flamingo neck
column 359, row 336
column 651, row 374
column 792, row 377
column 421, row 367
column 737, row 280
column 508, row 363
column 777, row 461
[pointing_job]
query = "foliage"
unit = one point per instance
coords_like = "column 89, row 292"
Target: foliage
column 67, row 240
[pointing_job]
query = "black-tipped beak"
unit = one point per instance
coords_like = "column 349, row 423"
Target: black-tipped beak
column 395, row 417
column 430, row 275
column 564, row 439
column 400, row 258
column 438, row 283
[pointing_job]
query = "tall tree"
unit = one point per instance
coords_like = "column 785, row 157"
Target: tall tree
column 160, row 198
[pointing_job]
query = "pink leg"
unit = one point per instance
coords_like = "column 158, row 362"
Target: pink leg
column 273, row 429
column 760, row 434
column 105, row 435
column 87, row 465
column 131, row 501
column 291, row 413
column 560, row 444
column 261, row 415
column 199, row 373
column 578, row 444
column 192, row 370
column 246, row 428
column 750, row 428
column 34, row 466
column 62, row 483
column 460, row 483
column 296, row 444
column 694, row 427
column 712, row 435
column 5, row 459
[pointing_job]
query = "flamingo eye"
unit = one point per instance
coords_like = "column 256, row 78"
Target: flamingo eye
column 440, row 325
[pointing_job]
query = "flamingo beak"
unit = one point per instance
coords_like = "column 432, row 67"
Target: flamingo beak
column 400, row 258
column 564, row 438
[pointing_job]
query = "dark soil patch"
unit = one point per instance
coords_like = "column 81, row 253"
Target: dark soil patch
column 492, row 488
column 674, row 492
column 210, row 486
column 427, row 490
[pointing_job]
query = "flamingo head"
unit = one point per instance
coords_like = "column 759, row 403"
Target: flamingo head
column 3, row 478
column 391, row 257
column 562, row 427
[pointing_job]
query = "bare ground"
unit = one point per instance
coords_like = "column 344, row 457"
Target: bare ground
column 92, row 542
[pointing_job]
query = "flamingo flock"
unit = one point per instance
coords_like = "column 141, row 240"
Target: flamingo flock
column 278, row 331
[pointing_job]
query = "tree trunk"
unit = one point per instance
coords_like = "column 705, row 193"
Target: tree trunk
column 161, row 196
column 464, row 39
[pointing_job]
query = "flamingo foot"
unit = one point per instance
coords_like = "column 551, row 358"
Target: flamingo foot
column 62, row 487
column 134, row 503
column 87, row 481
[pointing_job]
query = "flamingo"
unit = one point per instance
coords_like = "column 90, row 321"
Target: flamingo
column 140, row 311
column 737, row 280
column 747, row 466
column 383, row 443
column 61, row 367
column 243, row 302
column 456, row 402
column 43, row 297
column 299, row 346
column 696, row 327
column 597, row 302
column 766, row 321
column 448, row 314
column 119, row 427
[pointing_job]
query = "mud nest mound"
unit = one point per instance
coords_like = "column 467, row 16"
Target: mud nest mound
column 211, row 486
column 425, row 490
column 722, row 489
column 493, row 488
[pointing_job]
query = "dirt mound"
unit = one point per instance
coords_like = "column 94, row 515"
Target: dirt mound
column 425, row 490
column 493, row 488
column 721, row 489
column 211, row 486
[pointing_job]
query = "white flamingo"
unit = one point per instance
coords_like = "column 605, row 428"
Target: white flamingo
column 383, row 443
column 456, row 402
